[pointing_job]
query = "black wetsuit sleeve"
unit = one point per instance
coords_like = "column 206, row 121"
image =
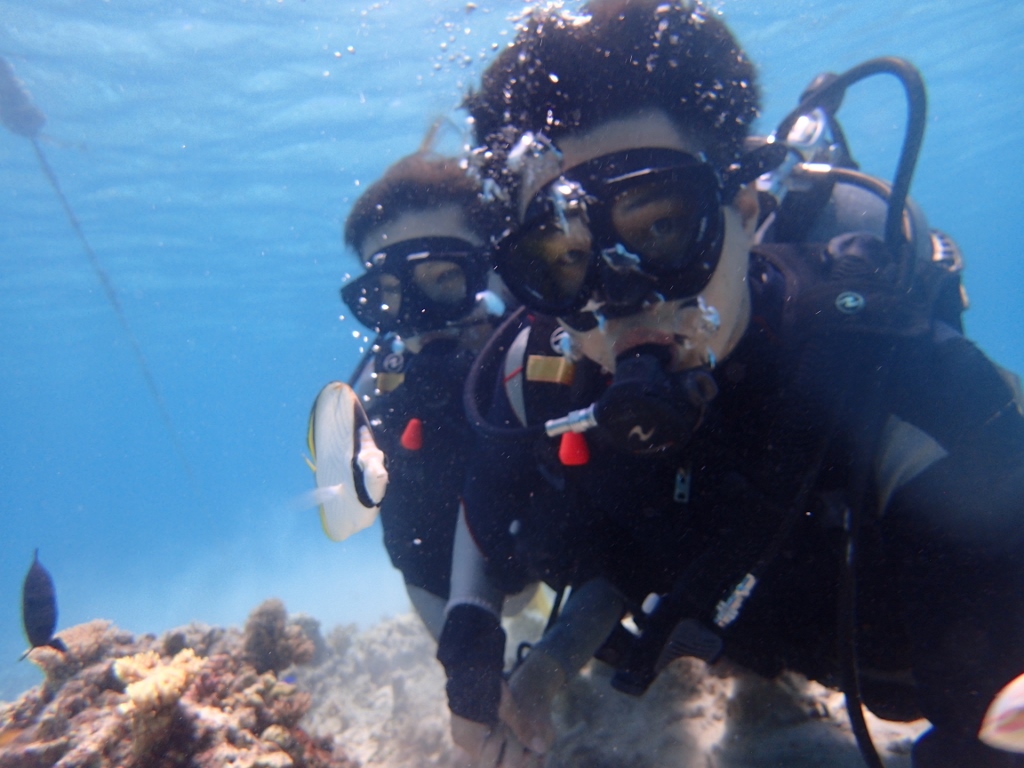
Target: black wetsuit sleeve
column 958, row 541
column 956, row 533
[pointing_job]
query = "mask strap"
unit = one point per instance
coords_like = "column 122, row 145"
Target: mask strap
column 755, row 163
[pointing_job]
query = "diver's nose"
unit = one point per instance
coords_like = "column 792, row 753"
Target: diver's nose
column 645, row 356
column 624, row 284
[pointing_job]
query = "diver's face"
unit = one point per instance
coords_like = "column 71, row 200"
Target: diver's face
column 694, row 335
column 443, row 282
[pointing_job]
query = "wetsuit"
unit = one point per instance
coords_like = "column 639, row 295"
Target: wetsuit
column 917, row 432
column 420, row 507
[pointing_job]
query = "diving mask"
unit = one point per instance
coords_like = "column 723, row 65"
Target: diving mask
column 418, row 285
column 615, row 233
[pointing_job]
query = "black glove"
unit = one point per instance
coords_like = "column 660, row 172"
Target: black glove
column 472, row 650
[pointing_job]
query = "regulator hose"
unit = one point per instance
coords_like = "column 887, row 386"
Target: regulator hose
column 827, row 93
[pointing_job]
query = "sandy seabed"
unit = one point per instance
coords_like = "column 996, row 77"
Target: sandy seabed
column 280, row 693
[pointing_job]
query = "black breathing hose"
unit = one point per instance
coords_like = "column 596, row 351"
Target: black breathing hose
column 484, row 372
column 829, row 96
column 366, row 357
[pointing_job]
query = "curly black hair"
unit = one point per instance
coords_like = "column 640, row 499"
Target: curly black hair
column 567, row 74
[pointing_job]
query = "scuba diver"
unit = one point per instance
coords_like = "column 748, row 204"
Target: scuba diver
column 419, row 231
column 738, row 406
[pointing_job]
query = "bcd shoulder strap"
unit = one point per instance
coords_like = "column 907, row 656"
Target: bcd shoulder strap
column 540, row 382
column 852, row 285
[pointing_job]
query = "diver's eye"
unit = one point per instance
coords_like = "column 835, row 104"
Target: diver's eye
column 566, row 252
column 389, row 294
column 570, row 258
column 441, row 281
column 664, row 228
column 656, row 223
column 552, row 258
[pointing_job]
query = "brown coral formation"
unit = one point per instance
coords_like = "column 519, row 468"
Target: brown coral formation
column 193, row 698
column 271, row 643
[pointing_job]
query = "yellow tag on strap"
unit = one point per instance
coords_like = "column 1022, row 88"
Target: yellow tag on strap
column 549, row 369
column 388, row 382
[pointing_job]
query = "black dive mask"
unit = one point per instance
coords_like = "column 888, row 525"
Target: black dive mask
column 418, row 285
column 620, row 230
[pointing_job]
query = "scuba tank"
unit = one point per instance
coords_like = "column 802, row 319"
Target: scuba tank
column 819, row 192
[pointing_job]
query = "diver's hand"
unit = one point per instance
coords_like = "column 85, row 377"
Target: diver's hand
column 526, row 700
column 486, row 746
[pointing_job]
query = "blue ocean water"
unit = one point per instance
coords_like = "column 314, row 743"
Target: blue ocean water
column 211, row 150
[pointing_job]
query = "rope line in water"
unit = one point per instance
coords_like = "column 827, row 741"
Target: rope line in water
column 23, row 118
column 115, row 303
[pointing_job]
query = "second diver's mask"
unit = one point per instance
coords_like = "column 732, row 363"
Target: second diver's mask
column 615, row 233
column 418, row 285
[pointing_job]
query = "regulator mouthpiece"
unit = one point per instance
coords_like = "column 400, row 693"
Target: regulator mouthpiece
column 649, row 410
column 646, row 409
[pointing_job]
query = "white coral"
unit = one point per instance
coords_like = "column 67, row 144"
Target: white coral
column 154, row 689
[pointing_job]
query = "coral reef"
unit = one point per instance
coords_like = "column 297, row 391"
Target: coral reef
column 719, row 716
column 207, row 697
column 271, row 643
column 154, row 688
column 380, row 695
column 197, row 697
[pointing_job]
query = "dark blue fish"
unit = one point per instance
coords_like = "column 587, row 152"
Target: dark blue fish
column 39, row 608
